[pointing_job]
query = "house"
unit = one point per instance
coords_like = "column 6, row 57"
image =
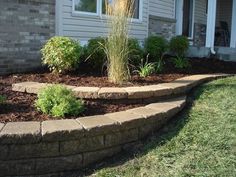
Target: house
column 25, row 25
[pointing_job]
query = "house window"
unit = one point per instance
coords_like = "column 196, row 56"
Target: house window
column 136, row 8
column 86, row 6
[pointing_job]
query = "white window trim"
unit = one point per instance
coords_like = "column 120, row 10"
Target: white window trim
column 193, row 21
column 103, row 16
column 76, row 12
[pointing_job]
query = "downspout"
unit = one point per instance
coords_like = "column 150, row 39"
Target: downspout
column 213, row 50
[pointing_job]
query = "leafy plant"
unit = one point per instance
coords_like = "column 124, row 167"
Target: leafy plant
column 179, row 45
column 156, row 47
column 116, row 48
column 2, row 99
column 59, row 101
column 145, row 69
column 181, row 62
column 96, row 56
column 159, row 66
column 61, row 54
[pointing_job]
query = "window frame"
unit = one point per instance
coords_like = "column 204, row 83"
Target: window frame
column 76, row 12
column 101, row 15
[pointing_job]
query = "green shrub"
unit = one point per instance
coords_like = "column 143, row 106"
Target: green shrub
column 58, row 101
column 2, row 99
column 181, row 62
column 96, row 56
column 156, row 47
column 179, row 45
column 145, row 69
column 135, row 52
column 61, row 54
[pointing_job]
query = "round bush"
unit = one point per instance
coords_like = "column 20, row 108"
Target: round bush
column 59, row 101
column 95, row 54
column 135, row 52
column 179, row 45
column 61, row 54
column 155, row 46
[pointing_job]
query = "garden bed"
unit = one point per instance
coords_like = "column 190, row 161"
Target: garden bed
column 20, row 106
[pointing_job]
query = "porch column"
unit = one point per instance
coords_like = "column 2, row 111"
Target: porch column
column 233, row 28
column 211, row 23
column 179, row 16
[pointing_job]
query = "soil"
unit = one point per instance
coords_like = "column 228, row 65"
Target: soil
column 20, row 106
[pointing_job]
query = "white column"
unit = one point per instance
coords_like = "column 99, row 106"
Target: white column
column 233, row 29
column 179, row 16
column 211, row 23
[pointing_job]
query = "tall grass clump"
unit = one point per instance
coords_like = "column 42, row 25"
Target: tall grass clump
column 119, row 13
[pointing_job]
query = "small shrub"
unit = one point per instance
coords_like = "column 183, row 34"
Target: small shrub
column 96, row 56
column 156, row 47
column 58, row 101
column 135, row 52
column 145, row 69
column 2, row 99
column 159, row 66
column 179, row 45
column 181, row 62
column 61, row 54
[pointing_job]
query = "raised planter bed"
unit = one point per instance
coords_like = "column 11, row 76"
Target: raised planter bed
column 56, row 146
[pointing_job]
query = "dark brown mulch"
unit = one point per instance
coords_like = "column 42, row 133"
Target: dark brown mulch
column 20, row 106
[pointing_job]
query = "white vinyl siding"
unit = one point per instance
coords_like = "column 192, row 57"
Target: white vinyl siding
column 162, row 8
column 200, row 11
column 84, row 27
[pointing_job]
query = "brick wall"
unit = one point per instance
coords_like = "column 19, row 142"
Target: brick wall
column 24, row 26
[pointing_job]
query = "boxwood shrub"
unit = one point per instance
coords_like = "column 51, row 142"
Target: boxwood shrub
column 135, row 52
column 59, row 101
column 61, row 54
column 179, row 45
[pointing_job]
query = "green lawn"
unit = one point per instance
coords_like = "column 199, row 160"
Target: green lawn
column 201, row 141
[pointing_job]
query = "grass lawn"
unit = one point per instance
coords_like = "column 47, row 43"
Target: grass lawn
column 201, row 141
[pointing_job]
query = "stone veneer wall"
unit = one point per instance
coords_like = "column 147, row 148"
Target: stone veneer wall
column 24, row 26
column 199, row 35
column 162, row 26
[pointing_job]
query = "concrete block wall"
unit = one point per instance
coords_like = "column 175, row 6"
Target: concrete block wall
column 25, row 25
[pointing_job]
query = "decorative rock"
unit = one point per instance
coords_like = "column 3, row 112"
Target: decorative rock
column 1, row 126
column 112, row 93
column 21, row 87
column 20, row 132
column 36, row 87
column 59, row 130
column 98, row 124
column 86, row 92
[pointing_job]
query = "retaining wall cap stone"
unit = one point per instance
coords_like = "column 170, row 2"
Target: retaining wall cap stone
column 146, row 112
column 86, row 92
column 20, row 133
column 112, row 93
column 97, row 123
column 55, row 130
column 126, row 119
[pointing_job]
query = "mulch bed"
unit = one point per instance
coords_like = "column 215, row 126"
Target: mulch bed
column 20, row 106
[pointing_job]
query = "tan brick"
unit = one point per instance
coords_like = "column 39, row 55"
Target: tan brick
column 139, row 92
column 126, row 119
column 20, row 132
column 86, row 92
column 112, row 93
column 98, row 124
column 55, row 130
column 159, row 90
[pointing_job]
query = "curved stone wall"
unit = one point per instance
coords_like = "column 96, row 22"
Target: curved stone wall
column 40, row 148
